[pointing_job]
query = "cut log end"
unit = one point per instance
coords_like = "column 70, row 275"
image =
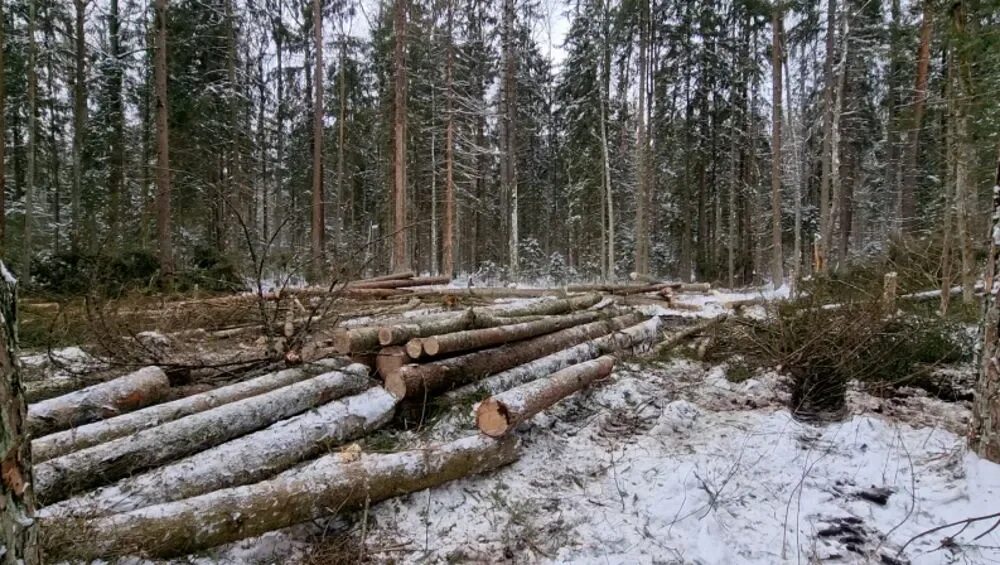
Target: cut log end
column 415, row 347
column 385, row 335
column 395, row 384
column 391, row 359
column 492, row 418
column 430, row 346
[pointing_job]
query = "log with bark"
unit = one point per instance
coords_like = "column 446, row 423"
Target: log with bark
column 619, row 289
column 242, row 461
column 390, row 277
column 468, row 340
column 401, row 283
column 146, row 386
column 418, row 381
column 107, row 462
column 498, row 415
column 365, row 339
column 546, row 307
column 672, row 341
column 491, row 292
column 629, row 338
column 325, row 486
column 61, row 443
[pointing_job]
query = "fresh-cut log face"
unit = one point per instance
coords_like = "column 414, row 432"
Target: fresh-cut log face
column 146, row 386
column 418, row 381
column 61, row 443
column 390, row 359
column 468, row 340
column 643, row 333
column 241, row 461
column 107, row 462
column 323, row 487
column 500, row 414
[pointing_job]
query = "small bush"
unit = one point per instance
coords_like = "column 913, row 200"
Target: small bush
column 72, row 273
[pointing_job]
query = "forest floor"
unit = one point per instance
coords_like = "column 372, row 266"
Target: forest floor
column 674, row 463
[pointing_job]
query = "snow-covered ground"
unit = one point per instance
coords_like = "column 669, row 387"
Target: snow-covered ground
column 675, row 464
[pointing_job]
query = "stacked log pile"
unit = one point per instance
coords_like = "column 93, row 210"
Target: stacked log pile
column 127, row 466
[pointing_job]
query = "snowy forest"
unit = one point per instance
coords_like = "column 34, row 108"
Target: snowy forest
column 722, row 141
column 521, row 281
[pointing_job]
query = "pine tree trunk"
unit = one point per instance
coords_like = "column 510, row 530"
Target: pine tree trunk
column 448, row 229
column 908, row 188
column 400, row 245
column 825, row 212
column 641, row 213
column 245, row 460
column 318, row 224
column 508, row 167
column 344, row 206
column 79, row 118
column 18, row 530
column 29, row 193
column 984, row 437
column 777, row 53
column 3, row 139
column 116, row 166
column 163, row 197
column 107, row 462
column 498, row 415
column 605, row 82
column 323, row 487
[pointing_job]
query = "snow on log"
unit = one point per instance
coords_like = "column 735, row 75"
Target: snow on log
column 468, row 340
column 401, row 283
column 242, row 461
column 547, row 307
column 628, row 338
column 490, row 292
column 61, row 443
column 106, row 462
column 325, row 486
column 617, row 288
column 390, row 359
column 144, row 387
column 417, row 381
column 499, row 414
column 396, row 334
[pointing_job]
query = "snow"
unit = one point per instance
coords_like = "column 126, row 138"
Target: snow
column 675, row 463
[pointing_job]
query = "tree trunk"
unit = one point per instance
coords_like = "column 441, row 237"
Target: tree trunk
column 825, row 213
column 79, row 117
column 435, row 345
column 400, row 245
column 508, row 117
column 61, row 443
column 624, row 340
column 908, row 188
column 124, row 394
column 642, row 143
column 107, row 462
column 343, row 207
column 777, row 53
column 401, row 283
column 163, row 214
column 116, row 166
column 29, row 193
column 964, row 192
column 836, row 189
column 984, row 437
column 448, row 235
column 325, row 486
column 418, row 381
column 18, row 530
column 242, row 461
column 318, row 224
column 498, row 415
column 605, row 84
column 3, row 138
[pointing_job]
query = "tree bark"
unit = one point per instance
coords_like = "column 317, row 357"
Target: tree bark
column 907, row 195
column 116, row 171
column 400, row 245
column 642, row 154
column 29, row 193
column 401, row 283
column 325, row 486
column 241, row 461
column 777, row 54
column 624, row 340
column 163, row 214
column 61, row 443
column 107, row 462
column 825, row 214
column 435, row 345
column 3, row 140
column 318, row 227
column 447, row 244
column 79, row 117
column 984, row 436
column 18, row 529
column 418, row 381
column 146, row 386
column 498, row 415
column 389, row 359
column 508, row 141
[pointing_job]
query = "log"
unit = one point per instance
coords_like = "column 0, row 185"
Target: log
column 547, row 307
column 146, row 386
column 491, row 292
column 498, row 415
column 418, row 381
column 618, row 289
column 396, row 334
column 325, row 486
column 365, row 339
column 61, row 443
column 434, row 345
column 673, row 340
column 106, row 462
column 692, row 287
column 401, row 283
column 242, row 461
column 628, row 338
column 390, row 359
column 389, row 277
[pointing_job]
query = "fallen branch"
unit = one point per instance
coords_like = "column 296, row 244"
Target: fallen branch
column 498, row 415
column 326, row 486
column 673, row 340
